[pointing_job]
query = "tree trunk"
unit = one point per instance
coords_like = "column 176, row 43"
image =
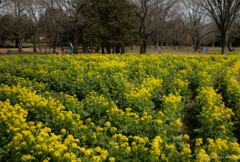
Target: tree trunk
column 45, row 40
column 97, row 49
column 16, row 43
column 51, row 44
column 224, row 44
column 75, row 43
column 34, row 42
column 20, row 45
column 84, row 47
column 117, row 48
column 103, row 51
column 1, row 42
column 122, row 49
column 91, row 49
column 230, row 45
column 62, row 47
column 55, row 42
column 39, row 45
column 156, row 46
column 113, row 49
column 1, row 28
column 196, row 45
column 144, row 46
column 108, row 49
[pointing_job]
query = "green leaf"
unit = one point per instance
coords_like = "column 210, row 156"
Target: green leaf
column 126, row 160
column 234, row 139
column 86, row 114
column 2, row 151
column 196, row 130
column 181, row 144
column 178, row 138
column 125, row 131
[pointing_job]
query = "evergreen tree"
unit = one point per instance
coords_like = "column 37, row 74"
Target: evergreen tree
column 115, row 25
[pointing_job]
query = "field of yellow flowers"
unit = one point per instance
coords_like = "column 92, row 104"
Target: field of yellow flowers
column 121, row 108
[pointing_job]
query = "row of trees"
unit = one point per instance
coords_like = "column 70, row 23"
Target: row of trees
column 111, row 25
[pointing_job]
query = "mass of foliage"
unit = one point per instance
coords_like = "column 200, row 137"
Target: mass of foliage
column 119, row 108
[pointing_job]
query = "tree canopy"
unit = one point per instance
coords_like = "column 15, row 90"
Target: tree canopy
column 108, row 26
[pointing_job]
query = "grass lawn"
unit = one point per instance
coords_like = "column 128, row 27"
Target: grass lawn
column 136, row 49
column 184, row 51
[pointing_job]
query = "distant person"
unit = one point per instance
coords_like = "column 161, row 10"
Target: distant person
column 201, row 49
column 232, row 50
column 160, row 50
column 9, row 52
column 70, row 46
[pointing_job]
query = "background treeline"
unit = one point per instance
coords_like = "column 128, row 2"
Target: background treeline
column 108, row 26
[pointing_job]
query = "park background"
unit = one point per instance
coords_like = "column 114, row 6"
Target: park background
column 119, row 26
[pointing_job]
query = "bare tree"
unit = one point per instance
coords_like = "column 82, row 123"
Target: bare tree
column 234, row 34
column 168, row 21
column 177, row 34
column 34, row 10
column 51, row 29
column 224, row 14
column 17, row 8
column 148, row 12
column 193, row 20
column 3, row 5
column 210, row 34
column 72, row 17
